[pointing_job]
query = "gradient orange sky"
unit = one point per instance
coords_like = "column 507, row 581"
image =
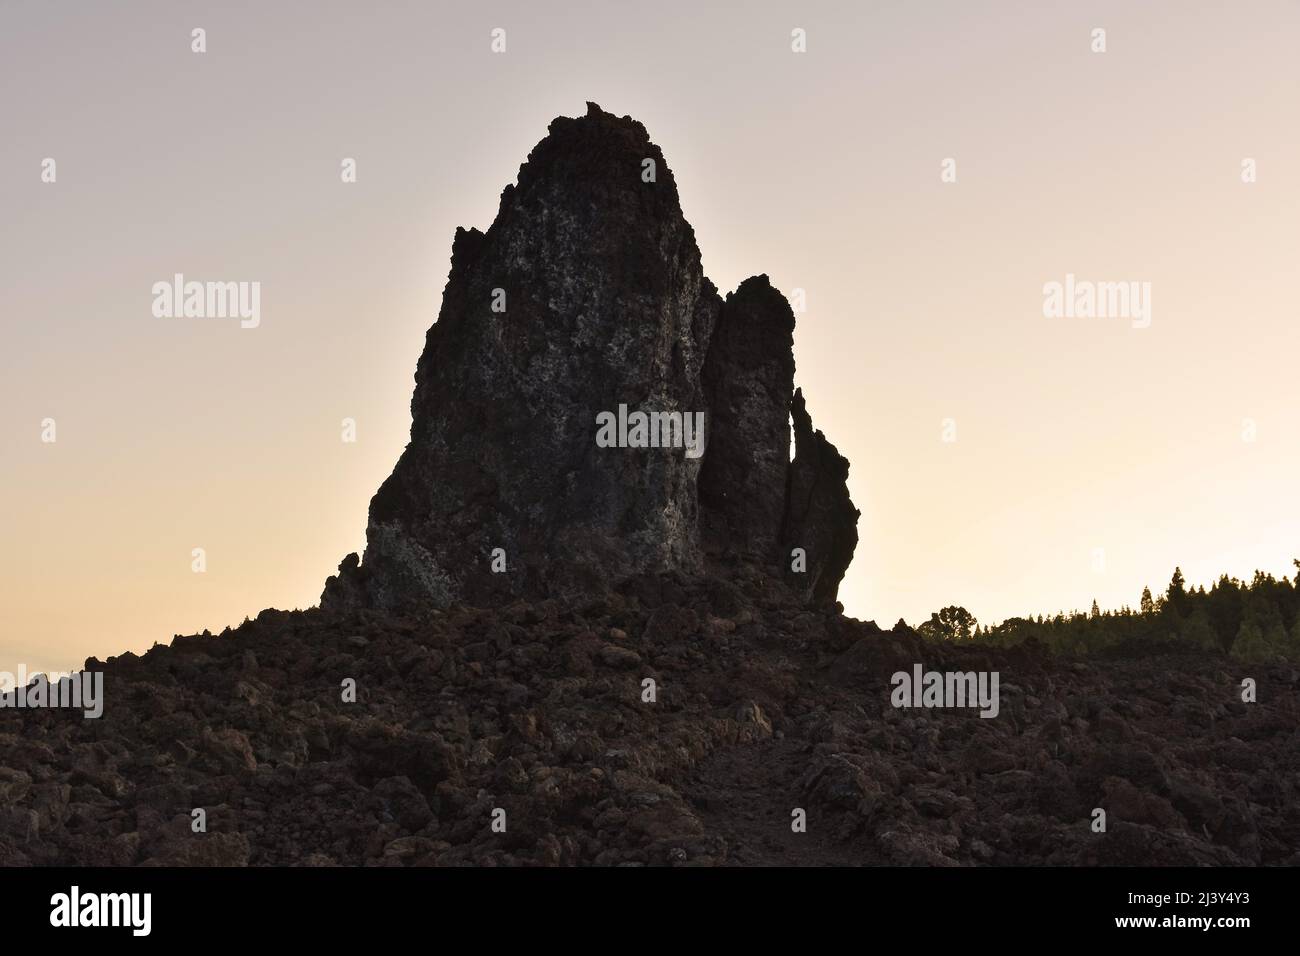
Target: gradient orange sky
column 1075, row 437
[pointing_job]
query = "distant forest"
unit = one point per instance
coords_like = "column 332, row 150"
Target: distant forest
column 1249, row 620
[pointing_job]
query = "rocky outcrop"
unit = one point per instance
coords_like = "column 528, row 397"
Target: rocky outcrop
column 819, row 517
column 749, row 379
column 585, row 303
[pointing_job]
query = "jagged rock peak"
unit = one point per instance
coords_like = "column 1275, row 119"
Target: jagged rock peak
column 587, row 408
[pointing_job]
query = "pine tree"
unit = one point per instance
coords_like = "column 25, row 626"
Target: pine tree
column 1275, row 639
column 1148, row 605
column 1249, row 645
column 1177, row 593
column 1177, row 585
column 1200, row 632
column 1292, row 648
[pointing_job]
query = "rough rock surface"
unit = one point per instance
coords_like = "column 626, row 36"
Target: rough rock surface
column 748, row 380
column 584, row 295
column 819, row 516
column 762, row 706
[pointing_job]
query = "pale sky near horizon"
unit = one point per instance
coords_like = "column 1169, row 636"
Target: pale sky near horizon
column 1090, row 458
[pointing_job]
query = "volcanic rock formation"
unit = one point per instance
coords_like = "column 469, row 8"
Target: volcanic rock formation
column 389, row 726
column 587, row 294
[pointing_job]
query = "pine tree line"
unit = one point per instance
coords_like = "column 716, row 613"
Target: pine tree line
column 1250, row 620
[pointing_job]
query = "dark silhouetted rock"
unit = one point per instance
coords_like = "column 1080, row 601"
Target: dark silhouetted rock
column 819, row 516
column 584, row 297
column 749, row 380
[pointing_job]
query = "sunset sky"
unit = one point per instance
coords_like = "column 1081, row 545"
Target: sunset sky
column 1090, row 458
